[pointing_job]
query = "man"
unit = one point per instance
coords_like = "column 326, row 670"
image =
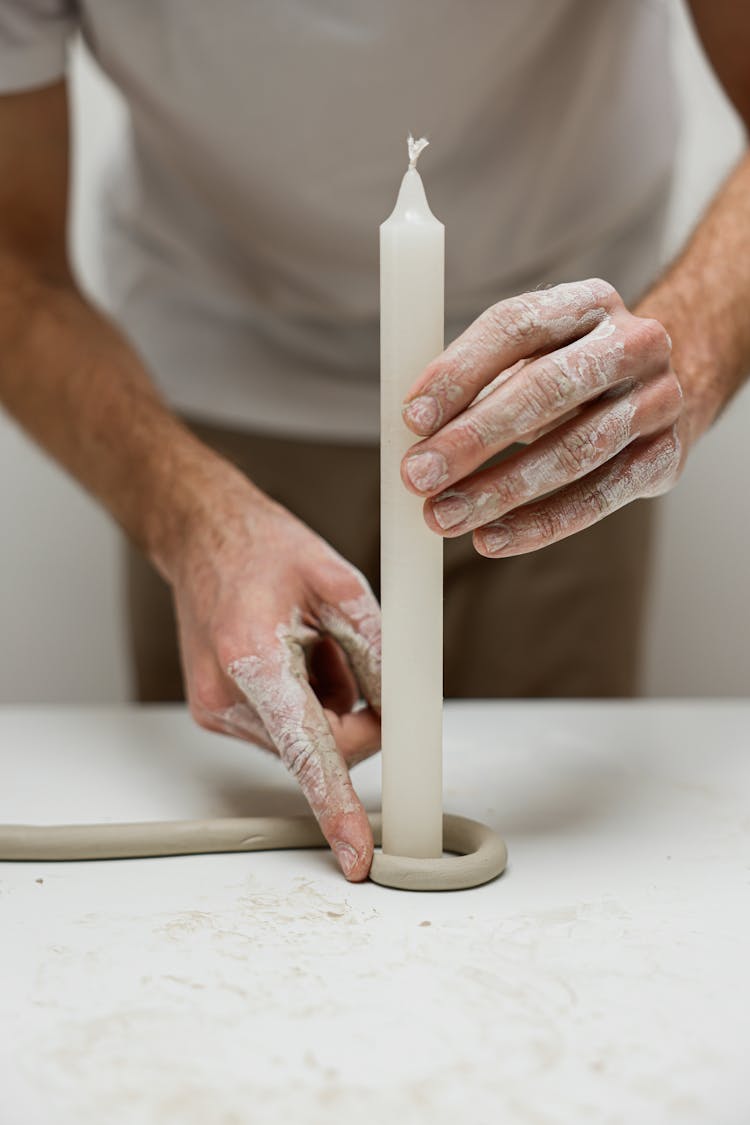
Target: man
column 265, row 146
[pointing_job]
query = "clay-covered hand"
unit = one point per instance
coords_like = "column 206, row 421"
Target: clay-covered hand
column 585, row 385
column 280, row 643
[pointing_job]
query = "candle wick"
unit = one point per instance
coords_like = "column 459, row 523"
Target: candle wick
column 415, row 147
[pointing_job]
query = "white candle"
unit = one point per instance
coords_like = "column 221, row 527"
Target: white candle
column 411, row 334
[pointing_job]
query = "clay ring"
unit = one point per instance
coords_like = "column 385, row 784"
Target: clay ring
column 480, row 856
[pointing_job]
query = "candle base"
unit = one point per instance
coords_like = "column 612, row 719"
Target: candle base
column 480, row 856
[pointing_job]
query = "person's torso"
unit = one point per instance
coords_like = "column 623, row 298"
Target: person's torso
column 268, row 141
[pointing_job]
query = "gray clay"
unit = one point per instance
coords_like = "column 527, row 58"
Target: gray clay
column 480, row 853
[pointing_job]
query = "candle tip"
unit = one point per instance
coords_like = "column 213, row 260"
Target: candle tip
column 415, row 147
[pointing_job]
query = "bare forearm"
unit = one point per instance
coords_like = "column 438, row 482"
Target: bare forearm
column 704, row 302
column 75, row 385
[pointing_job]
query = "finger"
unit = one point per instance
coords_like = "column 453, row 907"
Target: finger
column 548, row 389
column 644, row 469
column 563, row 456
column 276, row 685
column 240, row 721
column 230, row 722
column 331, row 677
column 355, row 623
column 527, row 439
column 357, row 734
column 502, row 336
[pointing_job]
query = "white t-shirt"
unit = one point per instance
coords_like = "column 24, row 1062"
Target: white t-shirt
column 266, row 144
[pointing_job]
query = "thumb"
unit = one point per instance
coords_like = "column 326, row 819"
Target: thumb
column 278, row 688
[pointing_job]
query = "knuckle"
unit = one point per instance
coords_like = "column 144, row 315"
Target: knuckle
column 599, row 501
column 548, row 524
column 651, row 337
column 604, row 289
column 672, row 454
column 575, row 451
column 339, row 581
column 299, row 756
column 675, row 396
column 339, row 589
column 517, row 317
column 504, row 493
column 666, row 398
column 360, row 581
column 474, row 431
column 356, row 588
column 549, row 391
column 531, row 408
column 665, row 462
column 668, row 445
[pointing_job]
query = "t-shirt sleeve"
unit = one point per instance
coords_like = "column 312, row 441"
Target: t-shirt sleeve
column 34, row 37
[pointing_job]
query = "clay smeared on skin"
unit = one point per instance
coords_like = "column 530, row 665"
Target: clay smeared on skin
column 644, row 474
column 574, row 373
column 565, row 312
column 242, row 722
column 590, row 444
column 539, row 320
column 535, row 473
column 427, row 470
column 595, row 379
column 270, row 700
column 591, row 365
column 608, row 438
column 355, row 624
column 275, row 685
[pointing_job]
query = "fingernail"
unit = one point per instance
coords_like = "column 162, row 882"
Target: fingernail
column 451, row 511
column 423, row 413
column 426, row 470
column 346, row 856
column 496, row 537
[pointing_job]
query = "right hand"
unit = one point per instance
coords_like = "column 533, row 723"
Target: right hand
column 256, row 591
column 280, row 638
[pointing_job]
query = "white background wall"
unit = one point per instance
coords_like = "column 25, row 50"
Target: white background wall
column 61, row 626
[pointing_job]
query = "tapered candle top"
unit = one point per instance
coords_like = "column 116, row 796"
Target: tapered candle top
column 411, row 204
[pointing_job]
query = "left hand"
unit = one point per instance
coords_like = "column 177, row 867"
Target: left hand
column 571, row 373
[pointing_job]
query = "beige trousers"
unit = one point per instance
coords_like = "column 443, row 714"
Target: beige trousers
column 563, row 621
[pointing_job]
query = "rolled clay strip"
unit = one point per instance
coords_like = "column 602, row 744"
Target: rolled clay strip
column 482, row 855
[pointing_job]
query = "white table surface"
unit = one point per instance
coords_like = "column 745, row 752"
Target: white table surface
column 605, row 978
